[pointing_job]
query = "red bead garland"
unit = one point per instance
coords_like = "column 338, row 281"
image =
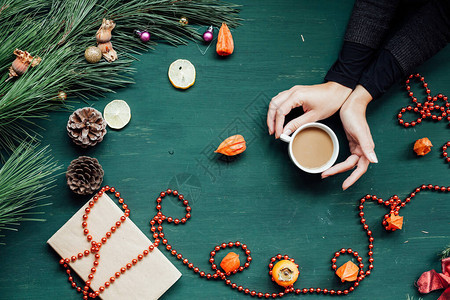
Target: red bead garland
column 425, row 109
column 445, row 153
column 394, row 204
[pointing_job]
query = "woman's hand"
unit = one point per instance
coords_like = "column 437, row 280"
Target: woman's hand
column 318, row 101
column 353, row 117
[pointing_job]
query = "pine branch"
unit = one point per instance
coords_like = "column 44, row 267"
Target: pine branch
column 445, row 253
column 60, row 31
column 408, row 297
column 25, row 176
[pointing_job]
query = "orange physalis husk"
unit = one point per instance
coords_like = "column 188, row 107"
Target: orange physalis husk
column 225, row 44
column 422, row 146
column 394, row 222
column 348, row 271
column 285, row 273
column 232, row 146
column 230, row 262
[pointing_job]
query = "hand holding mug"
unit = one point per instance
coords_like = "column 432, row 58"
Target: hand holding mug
column 318, row 102
column 353, row 117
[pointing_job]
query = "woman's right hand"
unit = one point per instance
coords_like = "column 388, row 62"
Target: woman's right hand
column 318, row 101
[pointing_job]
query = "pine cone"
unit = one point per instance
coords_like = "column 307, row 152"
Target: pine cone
column 86, row 127
column 84, row 175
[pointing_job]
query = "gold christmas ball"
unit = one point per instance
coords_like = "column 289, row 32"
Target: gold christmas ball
column 62, row 96
column 184, row 21
column 93, row 54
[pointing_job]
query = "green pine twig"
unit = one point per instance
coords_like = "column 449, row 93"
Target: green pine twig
column 24, row 178
column 408, row 297
column 445, row 253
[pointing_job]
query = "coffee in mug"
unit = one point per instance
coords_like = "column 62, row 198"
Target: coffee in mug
column 312, row 147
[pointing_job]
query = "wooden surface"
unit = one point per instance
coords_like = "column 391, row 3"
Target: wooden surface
column 260, row 198
column 148, row 279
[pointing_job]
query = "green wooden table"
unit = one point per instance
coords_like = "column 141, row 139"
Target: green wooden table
column 260, row 198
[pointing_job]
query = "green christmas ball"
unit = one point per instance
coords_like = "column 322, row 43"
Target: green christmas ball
column 93, row 54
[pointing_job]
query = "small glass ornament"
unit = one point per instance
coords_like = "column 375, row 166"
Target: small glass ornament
column 93, row 54
column 184, row 21
column 143, row 35
column 62, row 95
column 209, row 34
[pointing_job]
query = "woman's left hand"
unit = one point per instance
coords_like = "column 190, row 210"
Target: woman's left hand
column 353, row 117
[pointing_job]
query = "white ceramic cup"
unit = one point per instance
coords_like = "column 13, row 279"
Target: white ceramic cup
column 289, row 139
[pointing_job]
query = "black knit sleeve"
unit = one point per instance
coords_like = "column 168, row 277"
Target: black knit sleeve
column 370, row 21
column 425, row 33
column 368, row 25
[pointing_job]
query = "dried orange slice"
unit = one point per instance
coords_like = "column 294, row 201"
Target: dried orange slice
column 182, row 74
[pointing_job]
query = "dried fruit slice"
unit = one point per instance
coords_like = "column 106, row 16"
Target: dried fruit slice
column 117, row 114
column 182, row 74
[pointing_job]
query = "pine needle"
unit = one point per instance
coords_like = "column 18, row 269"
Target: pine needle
column 408, row 297
column 445, row 253
column 24, row 178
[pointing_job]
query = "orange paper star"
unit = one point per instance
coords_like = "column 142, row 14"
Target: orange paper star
column 394, row 222
column 348, row 271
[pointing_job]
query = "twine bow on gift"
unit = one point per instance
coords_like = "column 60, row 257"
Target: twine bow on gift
column 432, row 280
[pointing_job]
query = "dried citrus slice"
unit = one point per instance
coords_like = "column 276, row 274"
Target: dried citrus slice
column 117, row 114
column 182, row 74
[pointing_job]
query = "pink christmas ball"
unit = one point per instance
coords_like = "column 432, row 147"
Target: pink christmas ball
column 145, row 36
column 208, row 36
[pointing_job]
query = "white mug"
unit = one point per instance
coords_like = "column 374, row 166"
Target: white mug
column 289, row 139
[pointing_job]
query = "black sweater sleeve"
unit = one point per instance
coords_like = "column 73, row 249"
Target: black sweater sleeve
column 368, row 25
column 351, row 62
column 370, row 21
column 423, row 34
